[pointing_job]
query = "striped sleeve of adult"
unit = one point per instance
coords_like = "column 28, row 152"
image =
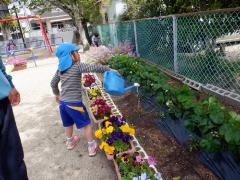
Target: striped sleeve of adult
column 97, row 68
column 54, row 84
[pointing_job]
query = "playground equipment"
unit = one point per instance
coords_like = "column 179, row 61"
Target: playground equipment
column 44, row 34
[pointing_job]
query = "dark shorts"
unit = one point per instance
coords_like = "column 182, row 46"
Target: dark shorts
column 74, row 113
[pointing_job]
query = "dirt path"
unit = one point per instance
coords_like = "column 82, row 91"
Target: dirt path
column 42, row 134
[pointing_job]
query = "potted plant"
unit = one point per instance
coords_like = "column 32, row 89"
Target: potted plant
column 88, row 80
column 135, row 167
column 93, row 93
column 116, row 137
column 100, row 109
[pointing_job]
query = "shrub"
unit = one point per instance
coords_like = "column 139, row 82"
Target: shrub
column 98, row 55
column 124, row 48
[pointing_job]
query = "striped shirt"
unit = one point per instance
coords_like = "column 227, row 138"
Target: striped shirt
column 71, row 86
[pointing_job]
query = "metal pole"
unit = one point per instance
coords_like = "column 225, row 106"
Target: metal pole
column 114, row 35
column 135, row 35
column 19, row 26
column 175, row 44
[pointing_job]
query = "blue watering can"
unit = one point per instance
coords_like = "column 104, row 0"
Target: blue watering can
column 113, row 84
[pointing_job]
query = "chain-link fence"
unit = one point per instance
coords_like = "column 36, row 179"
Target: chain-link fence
column 204, row 47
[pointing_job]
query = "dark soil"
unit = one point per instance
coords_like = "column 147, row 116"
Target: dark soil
column 173, row 160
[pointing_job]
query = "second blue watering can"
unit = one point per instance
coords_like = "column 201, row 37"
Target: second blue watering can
column 114, row 84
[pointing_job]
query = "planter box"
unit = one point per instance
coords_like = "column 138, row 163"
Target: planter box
column 130, row 151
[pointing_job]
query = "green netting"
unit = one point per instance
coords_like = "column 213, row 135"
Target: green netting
column 125, row 32
column 208, row 45
column 155, row 41
column 209, row 49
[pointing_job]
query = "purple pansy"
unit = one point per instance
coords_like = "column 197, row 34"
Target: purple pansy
column 110, row 141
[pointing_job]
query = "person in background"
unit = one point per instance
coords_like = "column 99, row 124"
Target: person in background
column 72, row 109
column 95, row 40
column 11, row 47
column 12, row 166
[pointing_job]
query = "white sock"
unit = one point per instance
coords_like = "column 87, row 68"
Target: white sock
column 91, row 143
column 69, row 139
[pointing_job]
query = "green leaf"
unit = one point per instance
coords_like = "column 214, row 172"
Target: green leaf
column 217, row 117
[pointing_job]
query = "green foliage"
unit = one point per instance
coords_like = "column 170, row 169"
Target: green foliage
column 138, row 9
column 214, row 127
column 120, row 146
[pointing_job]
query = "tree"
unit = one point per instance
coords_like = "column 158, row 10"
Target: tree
column 7, row 27
column 81, row 12
column 138, row 9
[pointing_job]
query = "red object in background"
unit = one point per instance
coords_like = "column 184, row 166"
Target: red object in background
column 41, row 25
column 16, row 61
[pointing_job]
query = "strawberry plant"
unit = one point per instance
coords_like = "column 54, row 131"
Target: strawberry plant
column 212, row 124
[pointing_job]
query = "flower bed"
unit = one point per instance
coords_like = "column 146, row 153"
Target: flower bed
column 117, row 137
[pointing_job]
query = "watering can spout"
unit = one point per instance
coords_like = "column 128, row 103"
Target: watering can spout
column 131, row 87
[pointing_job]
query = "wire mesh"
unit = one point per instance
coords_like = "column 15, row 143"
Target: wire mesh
column 209, row 49
column 207, row 45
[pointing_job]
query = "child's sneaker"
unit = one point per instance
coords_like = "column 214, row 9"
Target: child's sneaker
column 71, row 144
column 92, row 149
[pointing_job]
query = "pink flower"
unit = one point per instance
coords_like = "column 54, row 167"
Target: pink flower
column 139, row 158
column 151, row 161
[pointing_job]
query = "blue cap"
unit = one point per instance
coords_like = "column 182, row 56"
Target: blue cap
column 63, row 52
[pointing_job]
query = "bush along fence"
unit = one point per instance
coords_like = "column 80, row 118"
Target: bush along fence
column 203, row 47
column 117, row 138
column 201, row 122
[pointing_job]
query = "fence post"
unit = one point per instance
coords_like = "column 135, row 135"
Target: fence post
column 115, row 39
column 135, row 36
column 175, row 44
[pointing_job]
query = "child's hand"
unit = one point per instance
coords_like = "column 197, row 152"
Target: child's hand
column 57, row 99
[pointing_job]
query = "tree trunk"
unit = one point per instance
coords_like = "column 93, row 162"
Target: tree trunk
column 84, row 24
column 77, row 37
column 83, row 37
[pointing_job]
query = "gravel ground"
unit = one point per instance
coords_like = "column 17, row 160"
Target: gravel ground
column 42, row 134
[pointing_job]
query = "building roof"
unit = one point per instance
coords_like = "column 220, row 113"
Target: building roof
column 52, row 14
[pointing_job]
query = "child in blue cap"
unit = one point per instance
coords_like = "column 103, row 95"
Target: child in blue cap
column 72, row 109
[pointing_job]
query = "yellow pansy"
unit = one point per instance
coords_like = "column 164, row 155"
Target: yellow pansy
column 104, row 131
column 107, row 123
column 109, row 129
column 132, row 131
column 105, row 117
column 124, row 159
column 98, row 134
column 124, row 128
column 109, row 149
column 103, row 144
